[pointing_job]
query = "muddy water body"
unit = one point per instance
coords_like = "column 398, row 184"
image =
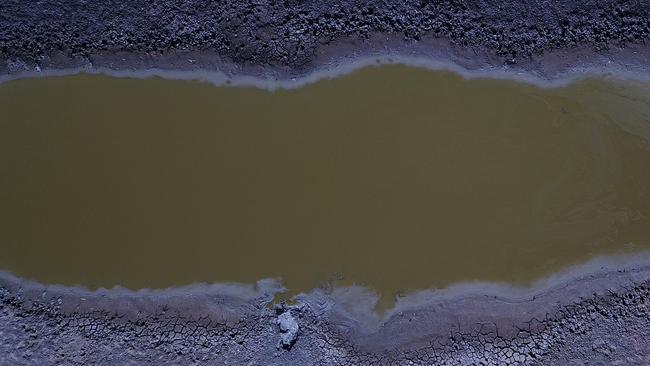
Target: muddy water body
column 395, row 178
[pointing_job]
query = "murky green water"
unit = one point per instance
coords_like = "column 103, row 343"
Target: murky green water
column 395, row 178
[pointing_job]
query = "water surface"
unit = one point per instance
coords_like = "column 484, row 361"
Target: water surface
column 395, row 178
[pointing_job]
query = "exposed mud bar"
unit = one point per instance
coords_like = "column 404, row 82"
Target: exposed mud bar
column 287, row 39
column 598, row 313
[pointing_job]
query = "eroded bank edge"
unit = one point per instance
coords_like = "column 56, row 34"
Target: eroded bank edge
column 553, row 70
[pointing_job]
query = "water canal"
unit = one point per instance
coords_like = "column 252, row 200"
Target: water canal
column 395, row 178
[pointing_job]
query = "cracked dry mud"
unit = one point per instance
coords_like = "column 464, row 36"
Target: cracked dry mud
column 597, row 318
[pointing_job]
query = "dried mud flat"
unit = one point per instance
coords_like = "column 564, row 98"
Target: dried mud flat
column 599, row 314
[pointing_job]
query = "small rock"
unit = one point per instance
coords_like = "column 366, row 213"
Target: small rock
column 289, row 329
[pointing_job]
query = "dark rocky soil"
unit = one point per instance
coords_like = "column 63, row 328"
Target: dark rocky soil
column 597, row 319
column 290, row 34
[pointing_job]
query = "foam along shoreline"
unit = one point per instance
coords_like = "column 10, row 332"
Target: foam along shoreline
column 224, row 74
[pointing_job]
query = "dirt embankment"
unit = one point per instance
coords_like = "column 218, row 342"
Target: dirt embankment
column 293, row 35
